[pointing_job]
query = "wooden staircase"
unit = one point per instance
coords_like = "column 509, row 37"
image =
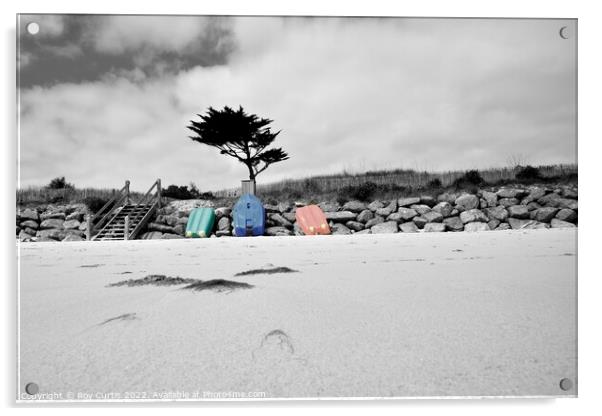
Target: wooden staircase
column 123, row 219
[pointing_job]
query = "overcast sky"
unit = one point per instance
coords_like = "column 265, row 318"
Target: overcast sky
column 108, row 98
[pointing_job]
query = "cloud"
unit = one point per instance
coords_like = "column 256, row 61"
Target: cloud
column 347, row 93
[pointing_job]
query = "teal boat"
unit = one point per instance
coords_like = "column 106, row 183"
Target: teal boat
column 200, row 223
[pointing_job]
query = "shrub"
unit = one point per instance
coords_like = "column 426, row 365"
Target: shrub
column 94, row 203
column 362, row 192
column 435, row 183
column 473, row 177
column 59, row 183
column 528, row 173
column 179, row 192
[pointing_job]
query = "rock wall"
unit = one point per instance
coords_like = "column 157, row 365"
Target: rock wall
column 511, row 207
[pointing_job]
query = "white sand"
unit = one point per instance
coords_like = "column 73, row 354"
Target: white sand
column 435, row 314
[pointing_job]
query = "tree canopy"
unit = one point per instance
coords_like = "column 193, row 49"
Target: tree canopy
column 245, row 137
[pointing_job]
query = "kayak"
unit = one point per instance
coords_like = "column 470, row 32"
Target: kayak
column 248, row 216
column 311, row 220
column 200, row 223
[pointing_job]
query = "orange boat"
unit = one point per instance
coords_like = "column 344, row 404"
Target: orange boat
column 311, row 220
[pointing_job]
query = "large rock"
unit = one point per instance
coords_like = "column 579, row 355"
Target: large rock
column 271, row 208
column 532, row 206
column 493, row 224
column 151, row 235
column 366, row 231
column 59, row 215
column 365, row 216
column 534, row 195
column 23, row 236
column 354, row 206
column 507, row 202
column 520, row 224
column 340, row 216
column 285, row 207
column 71, row 225
column 428, row 200
column 511, row 193
column 420, row 222
column 447, row 197
column 490, row 198
column 434, row 227
column 433, row 216
column 340, row 229
column 329, row 206
column 569, row 193
column 566, row 214
column 30, row 224
column 421, row 208
column 374, row 205
column 278, row 231
column 518, row 211
column 169, row 236
column 408, row 227
column 223, row 212
column 29, row 214
column 454, row 223
column 467, row 201
column 407, row 214
column 556, row 201
column 73, row 237
column 180, row 229
column 556, row 223
column 52, row 223
column 280, row 220
column 290, row 216
column 444, row 208
column 476, row 226
column 374, row 221
column 406, row 202
column 223, row 224
column 388, row 210
column 76, row 215
column 545, row 214
column 171, row 220
column 223, row 233
column 50, row 233
column 498, row 213
column 186, row 206
column 388, row 227
column 503, row 226
column 355, row 225
column 153, row 226
column 473, row 215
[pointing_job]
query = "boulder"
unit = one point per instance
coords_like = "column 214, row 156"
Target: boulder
column 556, row 201
column 367, row 231
column 420, row 222
column 53, row 215
column 374, row 205
column 354, row 206
column 566, row 214
column 556, row 223
column 45, row 240
column 223, row 212
column 53, row 234
column 454, row 224
column 365, row 216
column 278, row 231
column 482, row 203
column 407, row 214
column 511, row 193
column 170, row 236
column 428, row 200
column 374, row 221
column 29, row 231
column 76, row 215
column 447, row 197
column 23, row 236
column 388, row 210
column 434, row 227
column 71, row 225
column 473, row 215
column 186, row 206
column 498, row 213
column 171, row 220
column 490, row 198
column 180, row 229
column 280, row 220
column 29, row 214
column 290, row 216
column 503, row 226
column 30, row 224
column 545, row 214
column 388, row 227
column 340, row 216
column 223, row 224
column 476, row 226
column 406, row 202
column 183, row 221
column 340, row 229
column 223, row 233
column 355, row 225
column 569, row 193
column 285, row 207
column 329, row 206
column 408, row 227
column 51, row 223
column 421, row 208
column 73, row 237
column 507, row 202
column 433, row 216
column 532, row 206
column 519, row 224
column 534, row 195
column 518, row 211
column 467, row 201
column 151, row 235
column 493, row 224
column 396, row 216
column 444, row 208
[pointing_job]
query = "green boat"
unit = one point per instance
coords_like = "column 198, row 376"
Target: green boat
column 200, row 223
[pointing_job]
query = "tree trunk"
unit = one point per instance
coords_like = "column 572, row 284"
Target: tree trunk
column 251, row 171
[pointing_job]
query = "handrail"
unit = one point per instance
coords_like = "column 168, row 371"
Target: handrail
column 126, row 189
column 157, row 184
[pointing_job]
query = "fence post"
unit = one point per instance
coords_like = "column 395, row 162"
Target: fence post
column 127, row 192
column 159, row 192
column 126, row 233
column 88, row 227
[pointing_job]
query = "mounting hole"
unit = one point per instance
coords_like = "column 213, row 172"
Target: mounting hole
column 31, row 388
column 566, row 384
column 33, row 28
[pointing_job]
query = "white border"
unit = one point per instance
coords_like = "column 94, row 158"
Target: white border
column 590, row 288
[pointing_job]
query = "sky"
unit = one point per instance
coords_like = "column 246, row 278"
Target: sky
column 107, row 98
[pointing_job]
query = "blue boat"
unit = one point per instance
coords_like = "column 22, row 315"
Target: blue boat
column 249, row 216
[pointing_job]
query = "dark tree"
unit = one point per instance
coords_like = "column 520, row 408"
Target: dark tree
column 242, row 136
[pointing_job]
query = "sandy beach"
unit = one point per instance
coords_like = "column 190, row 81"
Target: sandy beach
column 428, row 314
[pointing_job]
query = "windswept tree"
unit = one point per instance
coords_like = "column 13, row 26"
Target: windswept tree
column 245, row 137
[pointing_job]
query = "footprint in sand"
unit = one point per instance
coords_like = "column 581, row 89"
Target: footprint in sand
column 275, row 345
